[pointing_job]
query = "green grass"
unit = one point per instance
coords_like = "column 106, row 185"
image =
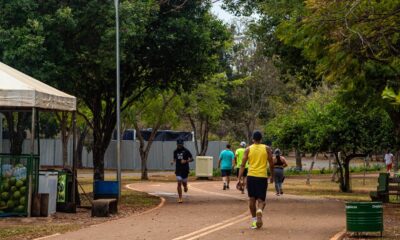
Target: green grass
column 33, row 231
column 324, row 187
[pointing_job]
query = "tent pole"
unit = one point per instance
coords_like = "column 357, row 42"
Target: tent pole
column 74, row 173
column 30, row 190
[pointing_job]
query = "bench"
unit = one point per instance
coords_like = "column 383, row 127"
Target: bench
column 104, row 207
column 394, row 186
column 105, row 195
column 386, row 186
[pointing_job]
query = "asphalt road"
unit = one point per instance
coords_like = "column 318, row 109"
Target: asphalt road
column 208, row 212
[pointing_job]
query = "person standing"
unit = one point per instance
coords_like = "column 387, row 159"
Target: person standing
column 279, row 165
column 238, row 162
column 259, row 157
column 182, row 157
column 225, row 164
column 388, row 161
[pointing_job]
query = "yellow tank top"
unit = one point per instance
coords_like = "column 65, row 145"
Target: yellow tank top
column 258, row 160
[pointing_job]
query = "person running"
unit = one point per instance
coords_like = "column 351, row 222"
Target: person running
column 182, row 157
column 279, row 164
column 225, row 164
column 259, row 157
column 238, row 162
column 388, row 161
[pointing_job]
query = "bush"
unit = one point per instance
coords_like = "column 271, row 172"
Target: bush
column 216, row 172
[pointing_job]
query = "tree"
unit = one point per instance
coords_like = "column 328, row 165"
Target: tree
column 17, row 124
column 71, row 44
column 353, row 43
column 324, row 124
column 253, row 83
column 203, row 107
column 154, row 110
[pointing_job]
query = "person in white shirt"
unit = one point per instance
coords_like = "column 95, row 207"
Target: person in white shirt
column 388, row 161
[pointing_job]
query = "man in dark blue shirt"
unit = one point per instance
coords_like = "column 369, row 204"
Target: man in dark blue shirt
column 182, row 157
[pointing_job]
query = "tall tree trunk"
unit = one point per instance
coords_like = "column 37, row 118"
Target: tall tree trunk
column 346, row 166
column 103, row 127
column 80, row 144
column 299, row 165
column 17, row 123
column 144, row 170
column 204, row 140
column 98, row 162
column 340, row 169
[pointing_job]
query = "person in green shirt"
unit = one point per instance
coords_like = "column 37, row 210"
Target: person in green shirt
column 238, row 162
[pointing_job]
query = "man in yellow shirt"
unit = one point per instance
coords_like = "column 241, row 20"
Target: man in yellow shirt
column 259, row 157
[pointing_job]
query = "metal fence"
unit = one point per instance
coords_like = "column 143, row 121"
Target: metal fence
column 160, row 156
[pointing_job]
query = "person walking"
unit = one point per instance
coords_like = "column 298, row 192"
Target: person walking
column 182, row 157
column 259, row 157
column 388, row 161
column 279, row 164
column 225, row 164
column 238, row 162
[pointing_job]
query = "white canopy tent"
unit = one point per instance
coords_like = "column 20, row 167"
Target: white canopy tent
column 18, row 90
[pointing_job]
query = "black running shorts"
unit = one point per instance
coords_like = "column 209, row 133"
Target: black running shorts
column 244, row 173
column 257, row 187
column 226, row 173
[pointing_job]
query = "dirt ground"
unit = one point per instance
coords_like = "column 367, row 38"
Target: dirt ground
column 30, row 228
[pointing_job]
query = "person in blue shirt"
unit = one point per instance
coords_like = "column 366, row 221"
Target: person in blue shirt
column 225, row 163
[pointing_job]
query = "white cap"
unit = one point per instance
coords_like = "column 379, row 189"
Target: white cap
column 243, row 144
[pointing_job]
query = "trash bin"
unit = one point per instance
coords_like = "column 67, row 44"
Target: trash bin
column 204, row 166
column 64, row 192
column 364, row 217
column 48, row 181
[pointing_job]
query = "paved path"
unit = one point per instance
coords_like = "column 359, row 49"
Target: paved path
column 210, row 213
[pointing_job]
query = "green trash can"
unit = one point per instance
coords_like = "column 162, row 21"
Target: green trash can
column 364, row 217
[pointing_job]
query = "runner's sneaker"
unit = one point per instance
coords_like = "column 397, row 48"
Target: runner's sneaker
column 185, row 188
column 227, row 186
column 224, row 188
column 180, row 200
column 253, row 224
column 259, row 221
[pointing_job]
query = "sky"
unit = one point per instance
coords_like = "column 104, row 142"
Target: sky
column 222, row 14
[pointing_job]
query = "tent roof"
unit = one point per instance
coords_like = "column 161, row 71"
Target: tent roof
column 18, row 90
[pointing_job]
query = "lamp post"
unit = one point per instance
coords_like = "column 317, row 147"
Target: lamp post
column 116, row 2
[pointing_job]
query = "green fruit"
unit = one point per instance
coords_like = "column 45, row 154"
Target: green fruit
column 5, row 196
column 23, row 180
column 22, row 190
column 19, row 183
column 5, row 187
column 10, row 204
column 17, row 195
column 13, row 181
column 13, row 188
column 22, row 200
column 20, row 208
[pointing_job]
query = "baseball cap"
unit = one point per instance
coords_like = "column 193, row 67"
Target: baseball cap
column 179, row 142
column 243, row 144
column 277, row 152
